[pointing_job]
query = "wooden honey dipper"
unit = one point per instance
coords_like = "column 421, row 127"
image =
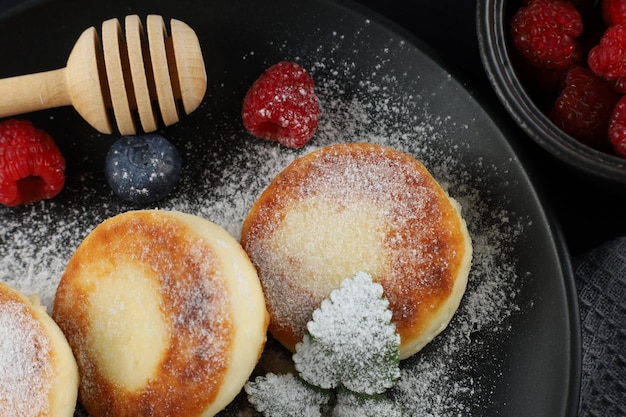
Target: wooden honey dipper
column 129, row 76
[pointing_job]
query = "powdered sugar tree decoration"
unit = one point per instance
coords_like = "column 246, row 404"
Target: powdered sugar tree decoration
column 351, row 341
column 350, row 353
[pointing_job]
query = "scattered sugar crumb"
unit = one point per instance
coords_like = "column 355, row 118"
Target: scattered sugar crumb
column 375, row 104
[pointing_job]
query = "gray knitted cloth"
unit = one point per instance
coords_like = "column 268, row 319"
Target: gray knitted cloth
column 601, row 283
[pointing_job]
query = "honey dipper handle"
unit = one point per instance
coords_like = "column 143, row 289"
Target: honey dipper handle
column 32, row 92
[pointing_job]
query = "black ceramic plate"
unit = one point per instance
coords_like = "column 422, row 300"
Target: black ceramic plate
column 513, row 347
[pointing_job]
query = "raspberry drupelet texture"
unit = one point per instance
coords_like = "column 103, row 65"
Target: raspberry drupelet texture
column 545, row 32
column 282, row 106
column 617, row 128
column 608, row 58
column 584, row 107
column 32, row 167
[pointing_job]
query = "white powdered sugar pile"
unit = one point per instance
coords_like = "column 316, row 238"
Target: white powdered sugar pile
column 374, row 106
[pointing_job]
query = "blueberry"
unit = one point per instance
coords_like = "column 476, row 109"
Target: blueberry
column 142, row 168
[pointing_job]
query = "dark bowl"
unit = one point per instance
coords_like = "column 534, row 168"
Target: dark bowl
column 496, row 53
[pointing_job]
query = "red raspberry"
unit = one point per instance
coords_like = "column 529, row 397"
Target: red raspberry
column 617, row 128
column 31, row 165
column 608, row 59
column 613, row 12
column 546, row 31
column 282, row 106
column 584, row 107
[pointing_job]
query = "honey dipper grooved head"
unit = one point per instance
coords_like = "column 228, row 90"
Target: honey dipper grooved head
column 136, row 78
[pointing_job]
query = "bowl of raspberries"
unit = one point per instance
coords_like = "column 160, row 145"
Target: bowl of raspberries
column 559, row 68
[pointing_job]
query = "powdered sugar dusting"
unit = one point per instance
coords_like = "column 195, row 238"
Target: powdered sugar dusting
column 25, row 366
column 351, row 341
column 167, row 314
column 329, row 215
column 371, row 103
